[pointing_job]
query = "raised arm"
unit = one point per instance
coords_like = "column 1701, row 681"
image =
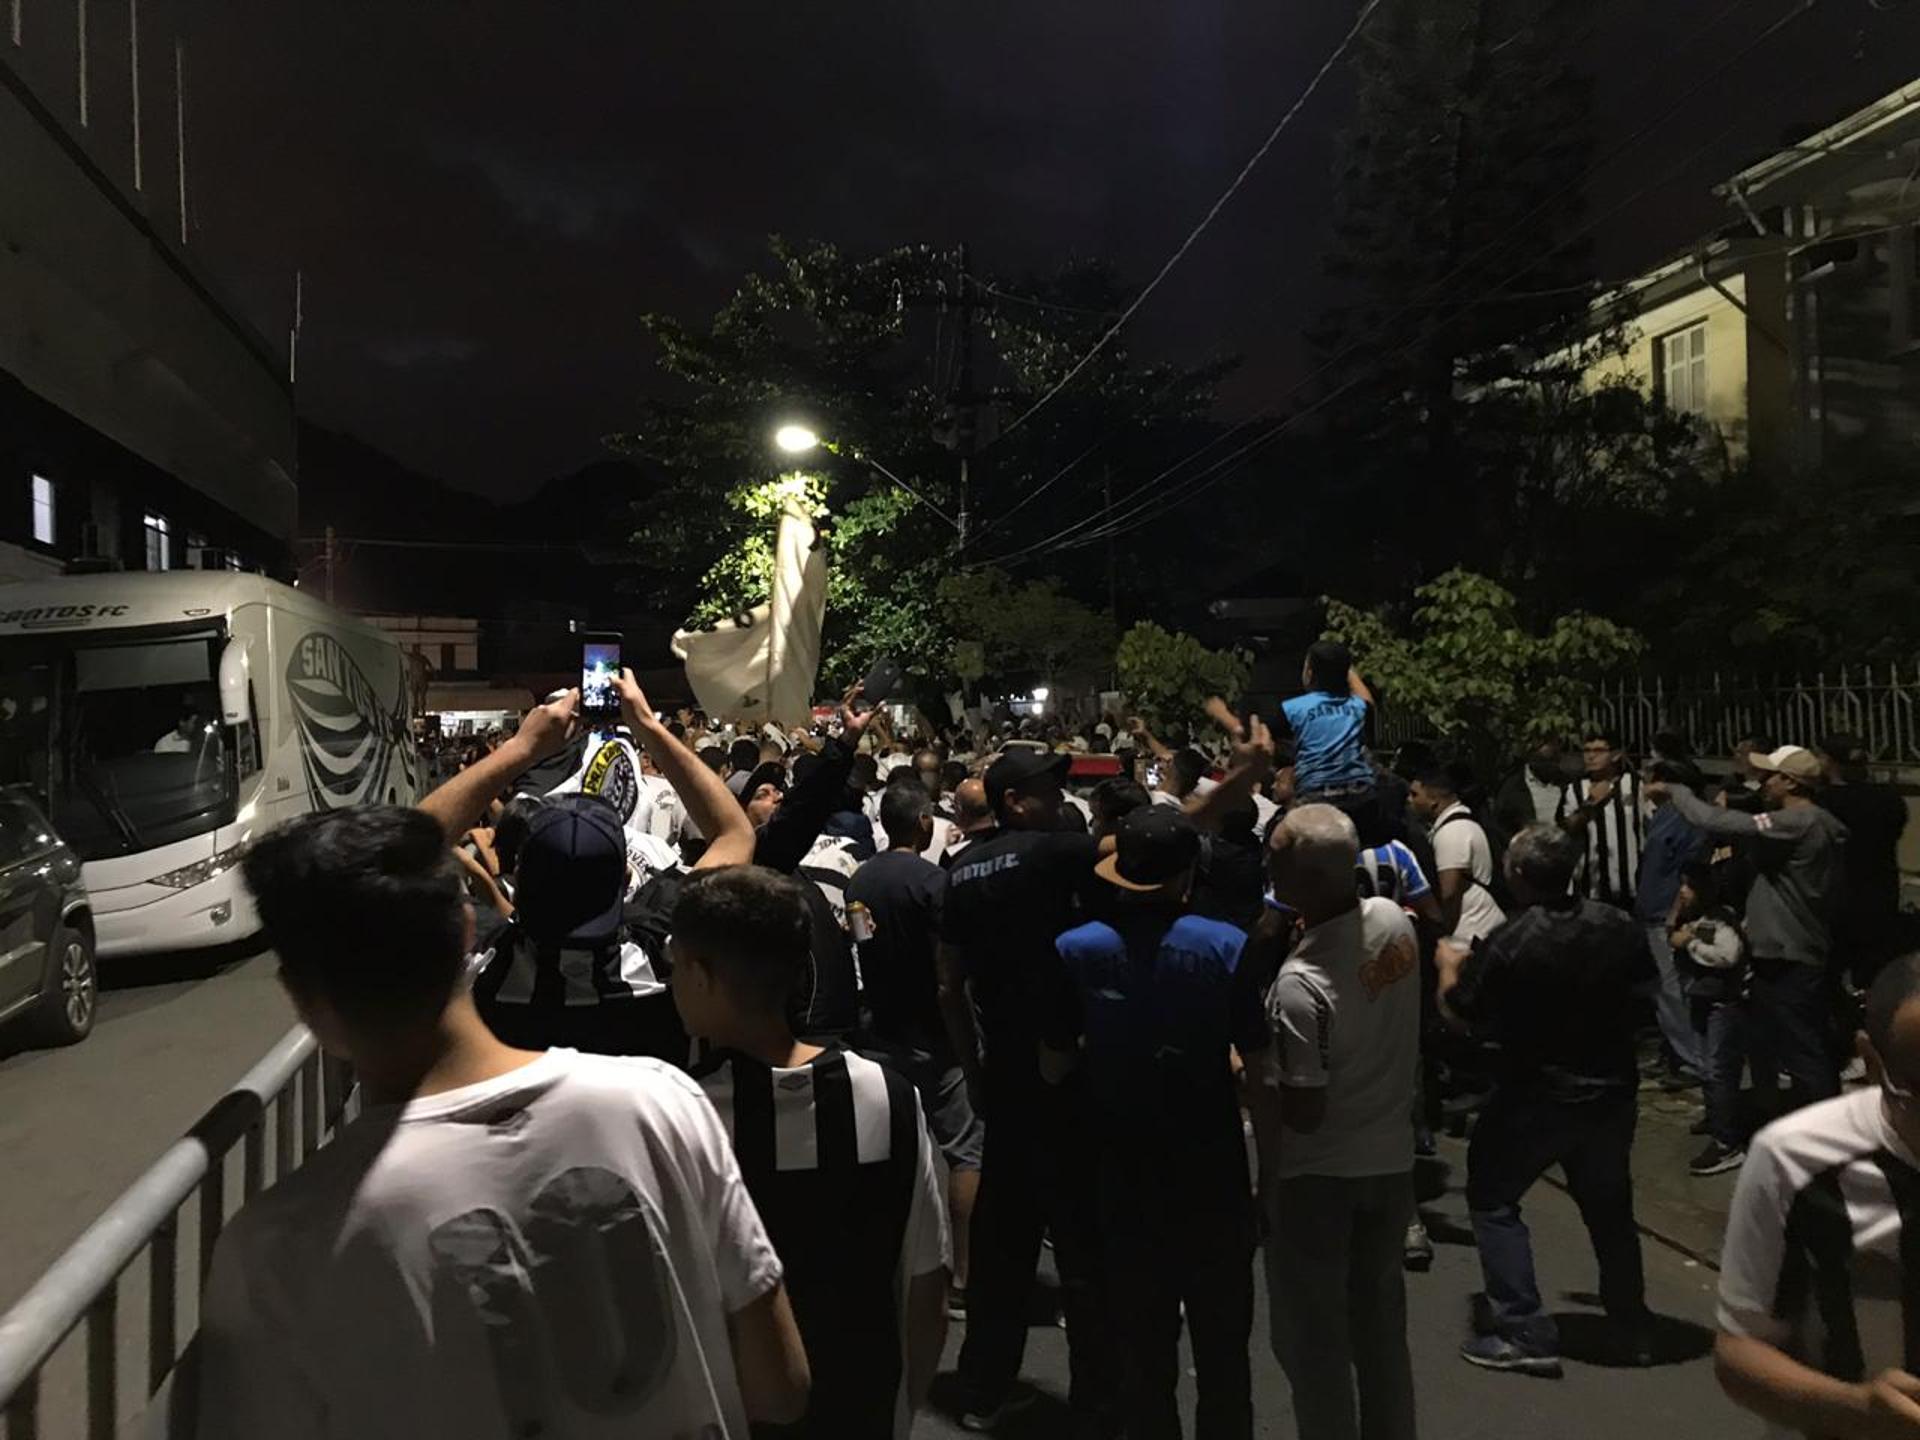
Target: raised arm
column 710, row 805
column 1713, row 819
column 785, row 839
column 1251, row 760
column 1138, row 728
column 1359, row 687
column 460, row 802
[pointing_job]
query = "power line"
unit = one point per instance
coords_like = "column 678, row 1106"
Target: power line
column 1497, row 243
column 399, row 544
column 1180, row 253
column 1039, row 304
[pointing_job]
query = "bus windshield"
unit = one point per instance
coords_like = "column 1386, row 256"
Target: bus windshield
column 121, row 739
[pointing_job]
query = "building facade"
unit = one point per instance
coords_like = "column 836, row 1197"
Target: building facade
column 142, row 421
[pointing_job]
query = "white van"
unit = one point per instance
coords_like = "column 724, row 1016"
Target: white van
column 167, row 719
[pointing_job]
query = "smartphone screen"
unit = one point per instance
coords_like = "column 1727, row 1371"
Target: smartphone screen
column 599, row 668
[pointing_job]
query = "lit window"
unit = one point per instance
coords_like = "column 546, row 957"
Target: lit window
column 43, row 510
column 157, row 548
column 1683, row 368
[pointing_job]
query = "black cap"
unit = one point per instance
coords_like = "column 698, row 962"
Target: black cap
column 1157, row 846
column 572, row 878
column 1018, row 767
column 771, row 773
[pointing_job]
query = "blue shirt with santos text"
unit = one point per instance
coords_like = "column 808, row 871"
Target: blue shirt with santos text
column 1328, row 731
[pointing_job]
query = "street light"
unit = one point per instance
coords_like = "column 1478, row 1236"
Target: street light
column 1040, row 693
column 796, row 439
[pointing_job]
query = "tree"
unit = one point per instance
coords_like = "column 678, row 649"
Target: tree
column 1029, row 626
column 1167, row 674
column 1469, row 667
column 863, row 348
column 1459, row 270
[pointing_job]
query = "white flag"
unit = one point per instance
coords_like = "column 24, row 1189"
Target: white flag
column 764, row 670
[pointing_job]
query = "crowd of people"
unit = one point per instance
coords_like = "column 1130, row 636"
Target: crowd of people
column 708, row 1074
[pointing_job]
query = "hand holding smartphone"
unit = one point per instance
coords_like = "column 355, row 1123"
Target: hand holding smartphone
column 599, row 669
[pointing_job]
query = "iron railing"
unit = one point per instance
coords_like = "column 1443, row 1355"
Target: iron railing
column 293, row 1097
column 1878, row 703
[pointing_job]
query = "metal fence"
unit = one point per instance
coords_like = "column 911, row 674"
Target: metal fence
column 1878, row 703
column 282, row 1110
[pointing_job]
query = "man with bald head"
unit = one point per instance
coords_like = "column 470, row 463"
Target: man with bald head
column 972, row 819
column 1819, row 1292
column 1338, row 1166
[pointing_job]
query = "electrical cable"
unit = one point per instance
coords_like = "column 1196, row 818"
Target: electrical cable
column 1180, row 253
column 1497, row 243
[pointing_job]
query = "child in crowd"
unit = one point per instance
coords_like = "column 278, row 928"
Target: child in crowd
column 1710, row 953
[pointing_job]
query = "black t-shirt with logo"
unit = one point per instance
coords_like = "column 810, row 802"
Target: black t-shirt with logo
column 1009, row 897
column 904, row 895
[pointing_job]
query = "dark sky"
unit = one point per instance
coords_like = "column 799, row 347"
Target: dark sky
column 484, row 196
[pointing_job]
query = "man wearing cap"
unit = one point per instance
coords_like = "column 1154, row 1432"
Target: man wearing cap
column 1010, row 896
column 1797, row 850
column 580, row 960
column 1160, row 1002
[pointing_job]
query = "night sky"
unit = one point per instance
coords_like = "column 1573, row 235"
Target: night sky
column 484, row 196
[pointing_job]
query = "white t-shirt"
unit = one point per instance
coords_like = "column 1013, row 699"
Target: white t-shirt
column 555, row 1251
column 1462, row 845
column 1814, row 1218
column 1345, row 1010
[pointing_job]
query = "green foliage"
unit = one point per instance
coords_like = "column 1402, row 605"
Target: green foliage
column 1029, row 626
column 1167, row 674
column 862, row 348
column 1471, row 669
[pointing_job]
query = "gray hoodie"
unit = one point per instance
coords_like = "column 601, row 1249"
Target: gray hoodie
column 1797, row 856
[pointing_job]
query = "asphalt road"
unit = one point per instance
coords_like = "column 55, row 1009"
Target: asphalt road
column 79, row 1124
column 1596, row 1400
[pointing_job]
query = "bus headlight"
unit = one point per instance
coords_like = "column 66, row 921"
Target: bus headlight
column 201, row 871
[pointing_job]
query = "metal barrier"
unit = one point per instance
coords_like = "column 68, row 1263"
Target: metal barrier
column 304, row 1095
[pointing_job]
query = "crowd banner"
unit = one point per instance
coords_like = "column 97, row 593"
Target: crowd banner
column 761, row 666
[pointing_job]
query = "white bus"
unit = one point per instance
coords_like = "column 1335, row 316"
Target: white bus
column 167, row 719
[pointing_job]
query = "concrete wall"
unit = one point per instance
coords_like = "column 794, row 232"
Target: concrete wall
column 103, row 318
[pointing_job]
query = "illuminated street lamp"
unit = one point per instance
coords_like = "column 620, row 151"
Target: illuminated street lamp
column 796, row 439
column 1040, row 693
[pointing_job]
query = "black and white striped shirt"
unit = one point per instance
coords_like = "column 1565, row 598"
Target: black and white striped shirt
column 1614, row 837
column 836, row 1156
column 1819, row 1251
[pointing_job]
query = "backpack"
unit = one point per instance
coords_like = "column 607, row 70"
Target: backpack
column 1497, row 839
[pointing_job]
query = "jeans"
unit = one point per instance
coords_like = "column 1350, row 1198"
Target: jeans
column 1521, row 1133
column 1036, row 1178
column 1791, row 1011
column 1726, row 1057
column 1338, row 1300
column 1174, row 1240
column 1670, row 1004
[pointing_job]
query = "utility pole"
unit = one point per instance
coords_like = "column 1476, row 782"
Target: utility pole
column 965, row 403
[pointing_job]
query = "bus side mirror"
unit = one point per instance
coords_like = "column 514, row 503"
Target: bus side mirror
column 234, row 707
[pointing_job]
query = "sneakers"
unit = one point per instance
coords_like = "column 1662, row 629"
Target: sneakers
column 1017, row 1399
column 1716, row 1159
column 1417, row 1250
column 1496, row 1352
column 956, row 1302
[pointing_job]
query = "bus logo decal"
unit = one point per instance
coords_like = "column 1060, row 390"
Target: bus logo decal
column 348, row 740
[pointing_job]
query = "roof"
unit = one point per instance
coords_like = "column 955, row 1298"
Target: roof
column 117, row 599
column 1838, row 152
